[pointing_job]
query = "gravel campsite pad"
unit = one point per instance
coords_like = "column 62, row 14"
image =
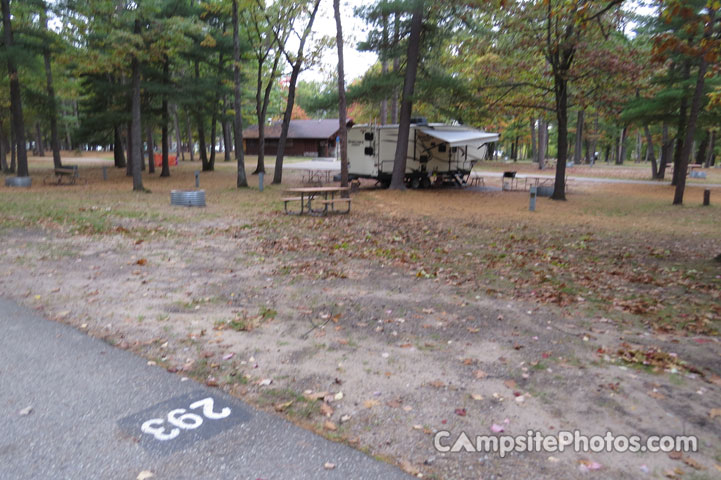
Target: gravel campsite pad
column 417, row 313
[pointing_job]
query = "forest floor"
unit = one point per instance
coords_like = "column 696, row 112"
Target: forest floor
column 419, row 312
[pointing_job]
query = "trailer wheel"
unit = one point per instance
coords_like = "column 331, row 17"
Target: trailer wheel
column 415, row 183
column 425, row 182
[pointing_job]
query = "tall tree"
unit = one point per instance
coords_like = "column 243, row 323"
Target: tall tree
column 241, row 180
column 136, row 148
column 18, row 122
column 414, row 42
column 296, row 64
column 52, row 107
column 342, row 129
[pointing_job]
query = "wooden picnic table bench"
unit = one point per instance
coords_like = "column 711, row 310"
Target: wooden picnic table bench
column 65, row 175
column 309, row 197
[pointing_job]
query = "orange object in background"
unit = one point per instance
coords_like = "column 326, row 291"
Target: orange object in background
column 158, row 158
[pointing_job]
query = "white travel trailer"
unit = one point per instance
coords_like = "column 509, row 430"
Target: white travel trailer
column 446, row 153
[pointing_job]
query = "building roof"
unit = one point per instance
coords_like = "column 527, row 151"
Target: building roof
column 312, row 129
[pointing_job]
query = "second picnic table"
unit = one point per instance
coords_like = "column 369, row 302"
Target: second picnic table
column 310, row 196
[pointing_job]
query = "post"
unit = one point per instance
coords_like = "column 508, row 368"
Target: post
column 260, row 181
column 105, row 173
column 532, row 204
column 197, row 179
column 706, row 197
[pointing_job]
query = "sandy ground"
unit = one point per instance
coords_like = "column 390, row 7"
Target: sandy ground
column 385, row 326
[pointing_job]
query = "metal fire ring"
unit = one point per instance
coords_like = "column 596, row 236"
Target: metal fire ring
column 188, row 198
column 18, row 181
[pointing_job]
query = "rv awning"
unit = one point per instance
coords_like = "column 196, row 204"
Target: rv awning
column 460, row 137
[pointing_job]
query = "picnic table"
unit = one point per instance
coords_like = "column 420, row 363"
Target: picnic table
column 537, row 181
column 308, row 198
column 317, row 176
column 65, row 175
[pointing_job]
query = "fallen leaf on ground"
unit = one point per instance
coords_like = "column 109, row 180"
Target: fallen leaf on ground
column 656, row 395
column 326, row 409
column 265, row 382
column 714, row 412
column 371, row 403
column 480, row 374
column 329, row 466
column 281, row 407
column 437, row 384
column 510, row 384
column 328, row 425
column 144, row 475
column 675, row 455
column 310, row 395
column 589, row 464
column 693, row 463
column 476, row 396
column 142, row 262
column 461, row 412
column 26, row 411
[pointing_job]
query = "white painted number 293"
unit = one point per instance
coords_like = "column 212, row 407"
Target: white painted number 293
column 181, row 420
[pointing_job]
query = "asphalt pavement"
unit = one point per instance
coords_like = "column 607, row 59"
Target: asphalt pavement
column 73, row 407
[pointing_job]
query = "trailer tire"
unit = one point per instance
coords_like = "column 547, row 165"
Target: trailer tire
column 415, row 183
column 425, row 182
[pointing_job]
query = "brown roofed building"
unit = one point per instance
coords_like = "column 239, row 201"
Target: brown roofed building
column 306, row 138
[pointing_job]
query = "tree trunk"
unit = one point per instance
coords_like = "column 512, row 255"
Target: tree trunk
column 151, row 147
column 666, row 146
column 13, row 151
column 191, row 143
column 39, row 147
column 278, row 171
column 534, row 150
column 561, row 90
column 3, row 151
column 651, row 153
column 681, row 130
column 136, row 132
column 702, row 148
column 579, row 138
column 203, row 153
column 118, row 154
column 638, row 146
column 414, row 41
column 709, row 152
column 226, row 139
column 179, row 152
column 621, row 147
column 165, row 119
column 542, row 143
column 52, row 107
column 241, row 180
column 129, row 136
column 214, row 117
column 691, row 127
column 16, row 107
column 342, row 129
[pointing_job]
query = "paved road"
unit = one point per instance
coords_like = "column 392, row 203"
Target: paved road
column 689, row 182
column 90, row 403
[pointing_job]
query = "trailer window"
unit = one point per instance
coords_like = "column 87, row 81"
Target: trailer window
column 369, row 136
column 369, row 151
column 442, row 147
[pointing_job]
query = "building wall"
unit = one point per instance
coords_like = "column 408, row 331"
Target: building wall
column 293, row 147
